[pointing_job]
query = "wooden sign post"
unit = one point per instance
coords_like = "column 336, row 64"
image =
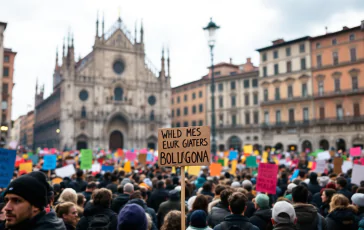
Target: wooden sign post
column 180, row 147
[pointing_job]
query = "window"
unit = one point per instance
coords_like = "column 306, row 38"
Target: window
column 233, row 119
column 305, row 114
column 303, row 63
column 178, row 124
column 233, row 101
column 356, row 109
column 193, row 96
column 221, row 87
column 232, row 73
column 247, row 118
column 353, row 54
column 266, row 117
column 118, row 94
column 246, row 99
column 185, row 110
column 265, row 94
column 200, row 107
column 264, row 56
column 255, row 83
column 276, row 69
column 322, row 113
column 288, row 51
column 334, row 41
column 289, row 66
column 178, row 112
column 218, row 73
column 337, row 84
column 200, row 122
column 278, row 117
column 193, row 123
column 277, row 95
column 194, row 109
column 302, row 48
column 178, row 99
column 256, row 117
column 221, row 119
column 5, row 88
column 318, row 45
column 6, row 58
column 6, row 72
column 255, row 98
column 321, row 88
column 290, row 91
column 246, row 83
column 221, row 102
column 335, row 58
column 232, row 85
column 304, row 89
column 354, row 82
column 172, row 101
column 264, row 71
column 319, row 60
column 172, row 113
column 185, row 97
column 185, row 124
column 352, row 37
column 151, row 116
column 200, row 94
column 339, row 112
column 275, row 54
column 291, row 116
column 83, row 112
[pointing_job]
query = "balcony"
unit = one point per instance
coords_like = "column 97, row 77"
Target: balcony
column 287, row 124
column 339, row 93
column 239, row 126
column 286, row 100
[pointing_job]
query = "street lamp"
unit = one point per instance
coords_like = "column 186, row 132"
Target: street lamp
column 211, row 30
column 58, row 130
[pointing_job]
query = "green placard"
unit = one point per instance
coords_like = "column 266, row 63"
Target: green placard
column 251, row 162
column 30, row 154
column 221, row 161
column 86, row 159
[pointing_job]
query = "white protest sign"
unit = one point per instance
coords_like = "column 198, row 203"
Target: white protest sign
column 323, row 156
column 346, row 166
column 320, row 166
column 65, row 171
column 358, row 174
column 96, row 168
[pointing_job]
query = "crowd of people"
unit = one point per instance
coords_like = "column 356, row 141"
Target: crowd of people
column 150, row 198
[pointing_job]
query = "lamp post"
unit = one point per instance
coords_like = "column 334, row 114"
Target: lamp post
column 210, row 30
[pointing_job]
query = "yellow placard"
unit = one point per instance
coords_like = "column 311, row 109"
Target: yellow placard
column 25, row 156
column 256, row 152
column 127, row 167
column 309, row 165
column 28, row 167
column 276, row 160
column 57, row 180
column 194, row 170
column 233, row 167
column 226, row 162
column 174, row 170
column 248, row 149
column 265, row 157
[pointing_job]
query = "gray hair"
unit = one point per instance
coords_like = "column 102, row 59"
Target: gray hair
column 128, row 188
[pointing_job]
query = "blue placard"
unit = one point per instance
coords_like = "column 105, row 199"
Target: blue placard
column 7, row 164
column 149, row 157
column 107, row 168
column 50, row 162
column 295, row 174
column 233, row 155
column 34, row 158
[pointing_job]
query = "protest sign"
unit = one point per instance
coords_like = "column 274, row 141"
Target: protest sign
column 96, row 168
column 320, row 166
column 358, row 174
column 355, row 151
column 233, row 166
column 86, row 159
column 66, row 171
column 50, row 162
column 323, row 156
column 251, row 162
column 7, row 162
column 57, row 180
column 295, row 175
column 34, row 158
column 248, row 149
column 142, row 158
column 131, row 155
column 338, row 161
column 107, row 168
column 194, row 170
column 233, row 155
column 265, row 157
column 25, row 156
column 150, row 157
column 184, row 146
column 346, row 166
column 221, row 161
column 215, row 169
column 27, row 167
column 127, row 167
column 267, row 178
column 120, row 152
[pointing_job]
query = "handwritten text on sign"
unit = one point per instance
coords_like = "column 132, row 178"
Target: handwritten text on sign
column 267, row 178
column 184, row 146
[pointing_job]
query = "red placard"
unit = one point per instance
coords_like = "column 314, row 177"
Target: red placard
column 267, row 178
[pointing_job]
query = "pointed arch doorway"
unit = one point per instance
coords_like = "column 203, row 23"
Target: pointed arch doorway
column 116, row 140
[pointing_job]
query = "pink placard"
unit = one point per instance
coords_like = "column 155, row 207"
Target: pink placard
column 355, row 152
column 362, row 161
column 267, row 178
column 143, row 151
column 131, row 156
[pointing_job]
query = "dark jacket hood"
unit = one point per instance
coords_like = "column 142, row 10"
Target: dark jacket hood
column 306, row 213
column 265, row 214
column 345, row 216
column 139, row 202
column 92, row 210
column 236, row 218
column 42, row 221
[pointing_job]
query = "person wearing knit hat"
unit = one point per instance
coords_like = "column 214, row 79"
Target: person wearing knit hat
column 263, row 214
column 132, row 216
column 289, row 191
column 283, row 216
column 25, row 199
column 198, row 221
column 236, row 184
column 358, row 200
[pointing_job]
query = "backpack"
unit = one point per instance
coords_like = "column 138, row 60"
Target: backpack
column 98, row 222
column 226, row 226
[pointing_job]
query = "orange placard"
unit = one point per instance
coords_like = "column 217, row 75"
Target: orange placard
column 215, row 169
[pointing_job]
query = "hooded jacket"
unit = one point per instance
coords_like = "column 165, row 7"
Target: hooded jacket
column 119, row 202
column 42, row 221
column 284, row 227
column 217, row 214
column 307, row 217
column 239, row 220
column 342, row 219
column 148, row 210
column 92, row 210
column 166, row 207
column 261, row 218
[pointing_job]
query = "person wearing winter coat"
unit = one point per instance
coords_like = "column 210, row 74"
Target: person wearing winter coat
column 342, row 215
column 262, row 217
column 313, row 185
column 326, row 197
column 139, row 201
column 119, row 201
column 221, row 210
column 358, row 200
column 198, row 221
column 283, row 216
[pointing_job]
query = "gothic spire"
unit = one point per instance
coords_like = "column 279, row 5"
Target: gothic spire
column 97, row 24
column 168, row 66
column 63, row 50
column 36, row 87
column 141, row 33
column 103, row 25
column 162, row 63
column 135, row 37
column 72, row 40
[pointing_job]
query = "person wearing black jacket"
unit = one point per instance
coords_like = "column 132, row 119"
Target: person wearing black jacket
column 313, row 185
column 149, row 211
column 237, row 206
column 221, row 209
column 79, row 185
column 159, row 196
column 262, row 217
column 119, row 202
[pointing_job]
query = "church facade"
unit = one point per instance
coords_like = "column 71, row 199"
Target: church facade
column 112, row 98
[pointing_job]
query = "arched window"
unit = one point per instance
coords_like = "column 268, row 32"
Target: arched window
column 151, row 117
column 118, row 94
column 83, row 112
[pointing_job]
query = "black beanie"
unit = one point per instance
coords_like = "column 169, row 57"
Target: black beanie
column 41, row 177
column 30, row 189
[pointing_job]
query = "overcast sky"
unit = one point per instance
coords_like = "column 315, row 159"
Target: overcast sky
column 36, row 27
